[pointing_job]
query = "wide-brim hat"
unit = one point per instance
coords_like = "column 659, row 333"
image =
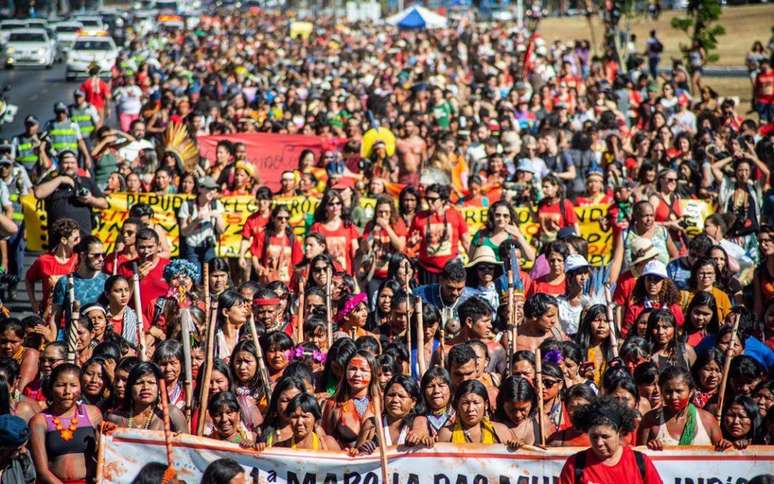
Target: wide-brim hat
column 643, row 250
column 483, row 255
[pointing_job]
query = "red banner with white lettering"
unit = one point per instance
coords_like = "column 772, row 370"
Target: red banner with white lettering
column 271, row 153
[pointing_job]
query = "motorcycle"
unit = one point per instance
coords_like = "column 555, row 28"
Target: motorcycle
column 7, row 110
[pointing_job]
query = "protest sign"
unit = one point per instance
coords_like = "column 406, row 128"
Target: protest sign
column 124, row 451
column 271, row 153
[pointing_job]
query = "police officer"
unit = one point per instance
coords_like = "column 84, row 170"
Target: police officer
column 84, row 114
column 65, row 135
column 26, row 148
column 14, row 183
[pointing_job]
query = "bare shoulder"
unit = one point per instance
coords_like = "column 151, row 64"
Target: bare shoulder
column 94, row 414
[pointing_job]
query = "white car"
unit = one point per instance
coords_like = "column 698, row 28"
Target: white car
column 65, row 34
column 7, row 25
column 30, row 47
column 98, row 49
column 92, row 24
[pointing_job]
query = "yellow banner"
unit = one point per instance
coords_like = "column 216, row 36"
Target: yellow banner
column 238, row 208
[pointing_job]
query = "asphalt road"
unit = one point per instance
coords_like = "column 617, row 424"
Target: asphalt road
column 34, row 91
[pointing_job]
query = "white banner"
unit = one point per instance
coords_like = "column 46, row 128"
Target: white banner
column 124, row 451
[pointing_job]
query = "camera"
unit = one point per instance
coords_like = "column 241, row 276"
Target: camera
column 80, row 190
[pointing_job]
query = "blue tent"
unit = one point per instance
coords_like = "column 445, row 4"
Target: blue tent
column 417, row 17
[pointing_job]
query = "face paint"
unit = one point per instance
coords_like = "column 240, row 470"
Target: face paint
column 680, row 404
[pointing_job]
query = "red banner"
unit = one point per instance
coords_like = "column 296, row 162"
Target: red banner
column 271, row 153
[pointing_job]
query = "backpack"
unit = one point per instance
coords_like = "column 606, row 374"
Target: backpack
column 657, row 47
column 580, row 465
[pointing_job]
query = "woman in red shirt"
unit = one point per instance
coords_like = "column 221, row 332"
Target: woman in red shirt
column 333, row 222
column 607, row 423
column 277, row 250
column 555, row 282
column 555, row 212
column 384, row 235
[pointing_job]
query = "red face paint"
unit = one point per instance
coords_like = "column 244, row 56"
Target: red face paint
column 680, row 404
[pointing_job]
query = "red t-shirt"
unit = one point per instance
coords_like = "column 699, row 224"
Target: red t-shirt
column 110, row 261
column 47, row 267
column 561, row 216
column 254, row 225
column 96, row 92
column 435, row 250
column 152, row 286
column 624, row 288
column 339, row 243
column 597, row 472
column 633, row 312
column 279, row 257
column 382, row 246
column 541, row 285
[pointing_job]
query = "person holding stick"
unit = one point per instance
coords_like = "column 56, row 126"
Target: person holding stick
column 593, row 337
column 151, row 271
column 541, row 321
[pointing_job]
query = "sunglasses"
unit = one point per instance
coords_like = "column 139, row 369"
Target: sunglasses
column 550, row 383
column 320, row 269
column 280, row 219
column 486, row 268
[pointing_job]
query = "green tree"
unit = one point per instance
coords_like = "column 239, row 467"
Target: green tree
column 701, row 26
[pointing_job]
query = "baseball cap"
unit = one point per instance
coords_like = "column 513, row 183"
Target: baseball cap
column 60, row 107
column 573, row 262
column 13, row 431
column 655, row 268
column 30, row 119
column 525, row 164
column 79, row 93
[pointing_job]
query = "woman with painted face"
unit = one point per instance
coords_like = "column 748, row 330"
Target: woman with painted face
column 63, row 437
column 609, row 459
column 277, row 251
column 678, row 422
column 349, row 414
column 653, row 289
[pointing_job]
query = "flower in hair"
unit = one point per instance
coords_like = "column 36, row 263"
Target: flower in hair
column 553, row 356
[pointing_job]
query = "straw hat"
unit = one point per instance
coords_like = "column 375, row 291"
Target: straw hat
column 483, row 255
column 642, row 250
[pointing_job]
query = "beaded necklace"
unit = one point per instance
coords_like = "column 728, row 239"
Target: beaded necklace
column 67, row 433
column 147, row 423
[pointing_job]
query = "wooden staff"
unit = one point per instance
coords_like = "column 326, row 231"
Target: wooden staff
column 727, row 367
column 511, row 317
column 328, row 303
column 72, row 330
column 300, row 318
column 409, row 309
column 611, row 322
column 205, row 391
column 442, row 346
column 206, row 279
column 539, row 381
column 421, row 338
column 115, row 255
column 167, row 426
column 263, row 373
column 185, row 325
column 376, row 398
column 138, row 310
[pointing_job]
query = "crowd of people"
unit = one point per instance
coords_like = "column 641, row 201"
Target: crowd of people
column 453, row 335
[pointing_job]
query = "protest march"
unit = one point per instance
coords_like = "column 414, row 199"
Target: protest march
column 258, row 245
